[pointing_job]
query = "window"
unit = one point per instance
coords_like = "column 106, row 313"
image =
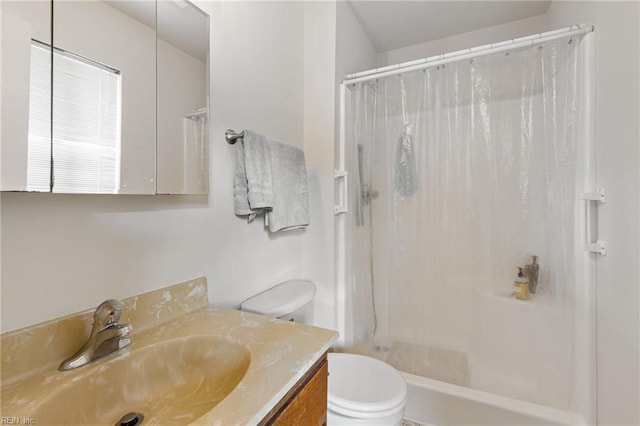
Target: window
column 39, row 144
column 86, row 123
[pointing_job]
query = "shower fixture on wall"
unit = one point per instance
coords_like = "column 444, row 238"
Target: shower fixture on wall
column 366, row 193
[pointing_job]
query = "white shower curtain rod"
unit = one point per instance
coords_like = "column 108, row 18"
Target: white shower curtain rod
column 197, row 113
column 473, row 52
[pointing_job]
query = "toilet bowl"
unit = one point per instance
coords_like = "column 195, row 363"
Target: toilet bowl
column 362, row 390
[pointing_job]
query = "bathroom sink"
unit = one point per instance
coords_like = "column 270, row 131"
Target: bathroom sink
column 169, row 382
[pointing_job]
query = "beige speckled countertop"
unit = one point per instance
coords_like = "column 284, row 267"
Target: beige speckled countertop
column 280, row 353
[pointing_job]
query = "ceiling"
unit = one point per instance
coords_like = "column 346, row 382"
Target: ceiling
column 177, row 22
column 393, row 24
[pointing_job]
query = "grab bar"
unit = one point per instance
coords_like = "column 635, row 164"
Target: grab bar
column 232, row 136
column 593, row 199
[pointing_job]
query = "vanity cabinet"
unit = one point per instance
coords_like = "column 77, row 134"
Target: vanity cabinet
column 306, row 403
column 104, row 97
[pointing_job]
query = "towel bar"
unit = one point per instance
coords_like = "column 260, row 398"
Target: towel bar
column 232, row 136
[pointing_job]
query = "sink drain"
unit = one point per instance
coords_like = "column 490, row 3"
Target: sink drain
column 130, row 419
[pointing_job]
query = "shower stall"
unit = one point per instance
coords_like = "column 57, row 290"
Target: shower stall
column 466, row 173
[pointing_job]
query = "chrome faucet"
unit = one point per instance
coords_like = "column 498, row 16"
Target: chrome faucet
column 107, row 336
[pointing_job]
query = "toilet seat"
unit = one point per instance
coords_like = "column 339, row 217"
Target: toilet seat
column 364, row 387
column 365, row 415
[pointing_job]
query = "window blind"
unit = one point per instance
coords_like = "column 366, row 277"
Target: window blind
column 39, row 139
column 86, row 126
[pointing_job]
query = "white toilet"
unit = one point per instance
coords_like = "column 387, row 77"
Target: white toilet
column 362, row 390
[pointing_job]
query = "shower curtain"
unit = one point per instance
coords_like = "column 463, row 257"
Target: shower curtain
column 463, row 172
column 195, row 154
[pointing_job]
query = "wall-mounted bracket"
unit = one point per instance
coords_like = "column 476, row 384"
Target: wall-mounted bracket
column 598, row 247
column 598, row 195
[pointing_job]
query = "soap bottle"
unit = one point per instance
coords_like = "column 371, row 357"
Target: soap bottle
column 522, row 285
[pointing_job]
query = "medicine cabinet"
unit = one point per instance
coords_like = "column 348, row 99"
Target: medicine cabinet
column 105, row 96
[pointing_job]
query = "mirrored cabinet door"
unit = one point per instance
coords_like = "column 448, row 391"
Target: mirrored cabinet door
column 116, row 102
column 183, row 119
column 104, row 97
column 25, row 144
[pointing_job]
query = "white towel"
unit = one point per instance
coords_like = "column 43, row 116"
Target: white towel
column 272, row 177
column 252, row 184
column 291, row 194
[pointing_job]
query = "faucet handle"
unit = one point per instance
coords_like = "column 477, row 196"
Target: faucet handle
column 108, row 312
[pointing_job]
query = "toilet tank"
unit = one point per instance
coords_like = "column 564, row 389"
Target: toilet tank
column 291, row 300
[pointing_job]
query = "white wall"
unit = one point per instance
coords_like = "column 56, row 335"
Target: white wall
column 66, row 253
column 617, row 133
column 256, row 83
column 354, row 50
column 319, row 101
column 497, row 33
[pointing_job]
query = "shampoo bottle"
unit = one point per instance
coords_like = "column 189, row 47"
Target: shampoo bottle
column 522, row 285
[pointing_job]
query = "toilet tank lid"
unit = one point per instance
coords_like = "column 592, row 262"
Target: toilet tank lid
column 282, row 299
